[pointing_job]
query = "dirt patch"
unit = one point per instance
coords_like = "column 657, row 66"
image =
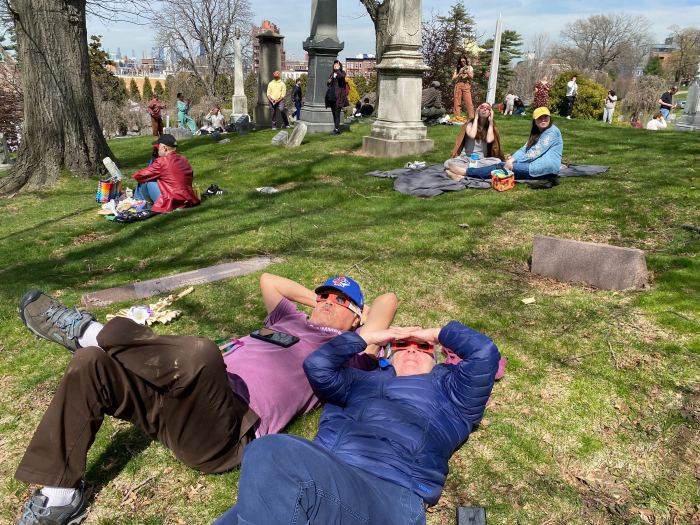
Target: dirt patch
column 329, row 179
column 287, row 186
column 87, row 238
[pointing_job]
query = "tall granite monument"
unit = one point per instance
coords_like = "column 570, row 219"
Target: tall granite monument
column 398, row 129
column 240, row 101
column 323, row 47
column 690, row 121
column 270, row 61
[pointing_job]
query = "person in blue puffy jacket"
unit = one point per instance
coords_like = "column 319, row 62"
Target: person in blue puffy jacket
column 385, row 437
column 538, row 159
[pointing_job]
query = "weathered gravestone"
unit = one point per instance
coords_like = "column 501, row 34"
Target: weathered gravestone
column 323, row 47
column 179, row 133
column 280, row 139
column 297, row 136
column 690, row 121
column 239, row 100
column 143, row 289
column 601, row 265
column 399, row 130
column 4, row 150
column 270, row 61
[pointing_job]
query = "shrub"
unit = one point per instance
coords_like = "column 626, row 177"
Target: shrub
column 589, row 102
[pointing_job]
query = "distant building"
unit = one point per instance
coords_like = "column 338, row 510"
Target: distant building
column 663, row 51
column 266, row 25
column 362, row 65
column 296, row 68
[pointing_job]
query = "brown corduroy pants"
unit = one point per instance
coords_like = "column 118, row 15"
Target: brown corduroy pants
column 174, row 388
column 463, row 93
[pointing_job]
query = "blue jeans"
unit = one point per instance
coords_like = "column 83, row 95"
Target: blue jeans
column 297, row 112
column 289, row 480
column 665, row 112
column 147, row 191
column 521, row 170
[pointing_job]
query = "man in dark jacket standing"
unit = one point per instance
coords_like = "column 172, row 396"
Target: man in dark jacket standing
column 385, row 437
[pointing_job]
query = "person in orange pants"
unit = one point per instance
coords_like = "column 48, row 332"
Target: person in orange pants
column 463, row 75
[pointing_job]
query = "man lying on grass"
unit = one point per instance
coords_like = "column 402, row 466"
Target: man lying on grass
column 180, row 390
column 385, row 436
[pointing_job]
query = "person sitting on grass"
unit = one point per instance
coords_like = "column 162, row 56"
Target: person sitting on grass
column 478, row 136
column 215, row 121
column 385, row 437
column 538, row 159
column 167, row 181
column 204, row 406
column 367, row 109
column 657, row 122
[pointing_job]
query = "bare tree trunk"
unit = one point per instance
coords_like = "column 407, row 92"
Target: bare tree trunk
column 61, row 130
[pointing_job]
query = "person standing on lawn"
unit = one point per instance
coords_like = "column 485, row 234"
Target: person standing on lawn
column 183, row 114
column 666, row 104
column 571, row 93
column 154, row 108
column 385, row 437
column 276, row 91
column 205, row 407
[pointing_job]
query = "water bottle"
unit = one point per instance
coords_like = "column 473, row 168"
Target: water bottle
column 473, row 160
column 112, row 168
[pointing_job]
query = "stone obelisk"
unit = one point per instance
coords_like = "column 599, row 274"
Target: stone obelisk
column 240, row 101
column 398, row 130
column 270, row 61
column 323, row 47
column 495, row 62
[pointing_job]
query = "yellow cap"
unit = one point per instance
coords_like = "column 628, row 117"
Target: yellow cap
column 540, row 112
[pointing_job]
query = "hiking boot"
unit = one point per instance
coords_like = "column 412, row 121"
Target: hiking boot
column 50, row 320
column 37, row 513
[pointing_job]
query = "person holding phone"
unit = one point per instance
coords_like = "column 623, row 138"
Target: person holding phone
column 180, row 390
column 385, row 437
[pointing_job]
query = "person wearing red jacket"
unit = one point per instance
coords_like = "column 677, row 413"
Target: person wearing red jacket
column 167, row 182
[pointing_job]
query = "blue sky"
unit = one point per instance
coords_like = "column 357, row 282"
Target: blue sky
column 355, row 28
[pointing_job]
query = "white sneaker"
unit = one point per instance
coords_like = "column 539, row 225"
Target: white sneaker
column 568, row 118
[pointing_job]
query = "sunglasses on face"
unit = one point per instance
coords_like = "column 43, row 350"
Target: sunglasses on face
column 399, row 345
column 334, row 298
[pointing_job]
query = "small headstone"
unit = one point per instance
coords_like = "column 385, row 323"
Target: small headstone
column 600, row 265
column 280, row 139
column 241, row 125
column 143, row 289
column 4, row 150
column 297, row 136
column 179, row 133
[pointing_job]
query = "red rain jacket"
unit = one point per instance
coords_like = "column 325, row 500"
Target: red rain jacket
column 173, row 174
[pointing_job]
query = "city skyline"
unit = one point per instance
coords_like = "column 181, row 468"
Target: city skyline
column 355, row 28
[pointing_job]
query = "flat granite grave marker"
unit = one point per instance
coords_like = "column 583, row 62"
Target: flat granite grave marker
column 601, row 265
column 143, row 289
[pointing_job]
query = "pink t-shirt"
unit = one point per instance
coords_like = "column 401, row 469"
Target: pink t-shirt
column 271, row 378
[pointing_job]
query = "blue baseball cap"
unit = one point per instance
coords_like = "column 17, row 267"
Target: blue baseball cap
column 346, row 285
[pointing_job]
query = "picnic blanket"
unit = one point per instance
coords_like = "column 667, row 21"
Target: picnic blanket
column 431, row 180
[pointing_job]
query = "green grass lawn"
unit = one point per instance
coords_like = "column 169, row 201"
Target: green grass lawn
column 598, row 417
